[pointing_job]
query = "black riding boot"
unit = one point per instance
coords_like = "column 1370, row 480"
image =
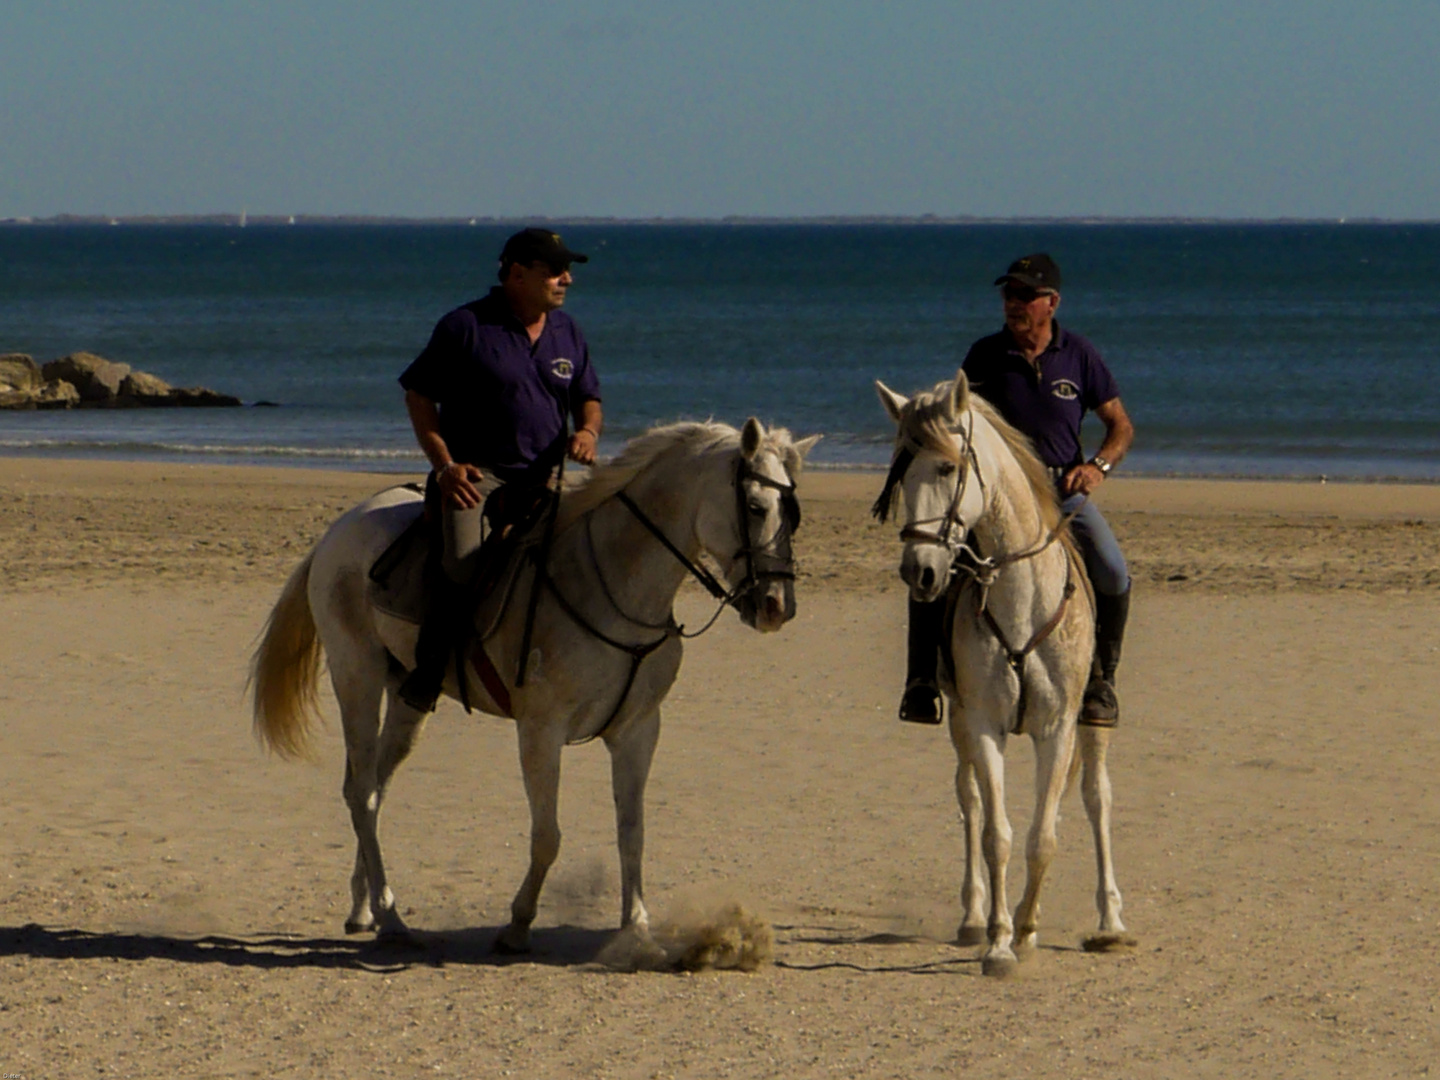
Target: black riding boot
column 439, row 635
column 1102, row 707
column 921, row 701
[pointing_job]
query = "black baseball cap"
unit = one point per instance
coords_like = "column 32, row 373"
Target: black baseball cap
column 1036, row 271
column 539, row 245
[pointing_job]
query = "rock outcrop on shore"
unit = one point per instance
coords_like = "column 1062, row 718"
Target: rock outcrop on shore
column 84, row 380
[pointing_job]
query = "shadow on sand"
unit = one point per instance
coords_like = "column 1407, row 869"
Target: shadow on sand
column 560, row 946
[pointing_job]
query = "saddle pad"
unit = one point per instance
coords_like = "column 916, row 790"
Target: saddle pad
column 397, row 578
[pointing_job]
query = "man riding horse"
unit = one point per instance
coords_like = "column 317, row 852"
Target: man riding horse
column 493, row 392
column 1042, row 380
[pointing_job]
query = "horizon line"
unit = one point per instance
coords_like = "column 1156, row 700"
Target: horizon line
column 244, row 219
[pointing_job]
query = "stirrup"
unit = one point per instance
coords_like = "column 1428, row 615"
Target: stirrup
column 1101, row 707
column 920, row 704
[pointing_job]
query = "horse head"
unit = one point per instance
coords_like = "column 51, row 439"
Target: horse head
column 747, row 523
column 936, row 467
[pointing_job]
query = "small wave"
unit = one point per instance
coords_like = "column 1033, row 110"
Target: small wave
column 109, row 446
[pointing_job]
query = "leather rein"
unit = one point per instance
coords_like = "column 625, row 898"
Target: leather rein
column 670, row 628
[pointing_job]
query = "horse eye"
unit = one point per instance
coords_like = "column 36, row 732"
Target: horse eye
column 946, row 468
column 758, row 509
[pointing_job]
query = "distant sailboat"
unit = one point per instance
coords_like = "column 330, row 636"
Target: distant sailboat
column 242, row 219
column 291, row 221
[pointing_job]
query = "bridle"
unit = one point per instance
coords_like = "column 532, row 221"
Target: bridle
column 762, row 563
column 966, row 561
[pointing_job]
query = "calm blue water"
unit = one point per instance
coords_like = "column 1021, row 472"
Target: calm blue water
column 1240, row 350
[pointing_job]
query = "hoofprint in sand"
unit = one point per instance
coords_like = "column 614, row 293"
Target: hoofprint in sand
column 169, row 906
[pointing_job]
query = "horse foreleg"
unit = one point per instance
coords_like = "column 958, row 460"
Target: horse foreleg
column 972, row 891
column 540, row 746
column 1095, row 790
column 1052, row 767
column 987, row 754
column 630, row 757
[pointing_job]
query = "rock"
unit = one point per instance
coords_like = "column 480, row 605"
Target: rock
column 57, row 394
column 140, row 389
column 16, row 399
column 19, row 372
column 199, row 395
column 97, row 379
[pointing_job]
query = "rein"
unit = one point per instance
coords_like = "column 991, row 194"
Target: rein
column 671, row 629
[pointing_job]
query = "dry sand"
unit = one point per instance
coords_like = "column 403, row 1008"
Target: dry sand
column 172, row 900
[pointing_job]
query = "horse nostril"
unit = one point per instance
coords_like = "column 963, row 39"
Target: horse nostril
column 927, row 577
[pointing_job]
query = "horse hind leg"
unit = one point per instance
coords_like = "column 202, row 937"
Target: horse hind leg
column 1095, row 790
column 398, row 736
column 359, row 682
column 540, row 746
column 1052, row 767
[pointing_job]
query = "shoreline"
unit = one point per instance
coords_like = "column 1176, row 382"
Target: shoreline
column 342, row 461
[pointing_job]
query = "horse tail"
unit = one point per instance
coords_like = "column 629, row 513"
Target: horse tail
column 285, row 670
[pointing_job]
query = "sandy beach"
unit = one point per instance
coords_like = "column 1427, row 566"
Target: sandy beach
column 172, row 899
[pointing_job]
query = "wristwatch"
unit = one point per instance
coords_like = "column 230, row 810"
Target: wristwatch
column 1101, row 464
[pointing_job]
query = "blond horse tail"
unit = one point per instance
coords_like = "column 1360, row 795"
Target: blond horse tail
column 285, row 671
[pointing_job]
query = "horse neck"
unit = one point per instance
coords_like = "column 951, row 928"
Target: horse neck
column 640, row 575
column 1012, row 521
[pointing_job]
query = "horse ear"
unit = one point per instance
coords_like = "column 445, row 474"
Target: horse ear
column 894, row 403
column 750, row 437
column 798, row 449
column 961, row 394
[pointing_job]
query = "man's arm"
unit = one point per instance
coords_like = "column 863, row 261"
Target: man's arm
column 589, row 421
column 1119, row 434
column 457, row 480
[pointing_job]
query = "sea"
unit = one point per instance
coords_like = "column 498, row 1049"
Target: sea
column 1242, row 350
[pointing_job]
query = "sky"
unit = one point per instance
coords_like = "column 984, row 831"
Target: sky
column 659, row 108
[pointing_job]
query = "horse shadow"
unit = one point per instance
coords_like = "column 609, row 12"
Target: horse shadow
column 559, row 946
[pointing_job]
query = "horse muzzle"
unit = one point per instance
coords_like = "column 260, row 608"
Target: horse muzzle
column 926, row 569
column 768, row 604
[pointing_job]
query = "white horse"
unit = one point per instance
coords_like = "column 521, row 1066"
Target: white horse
column 983, row 525
column 605, row 648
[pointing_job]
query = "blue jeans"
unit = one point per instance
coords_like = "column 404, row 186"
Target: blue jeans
column 1098, row 547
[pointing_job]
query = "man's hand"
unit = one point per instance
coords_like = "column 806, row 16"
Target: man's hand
column 582, row 447
column 458, row 484
column 1083, row 479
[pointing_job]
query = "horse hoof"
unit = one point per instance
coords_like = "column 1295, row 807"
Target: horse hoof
column 512, row 942
column 1109, row 943
column 999, row 967
column 970, row 935
column 353, row 926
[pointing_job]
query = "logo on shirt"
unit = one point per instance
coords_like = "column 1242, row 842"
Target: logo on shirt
column 562, row 368
column 1064, row 389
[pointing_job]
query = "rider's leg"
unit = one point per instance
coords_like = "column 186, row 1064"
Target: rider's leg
column 1110, row 577
column 448, row 571
column 921, row 701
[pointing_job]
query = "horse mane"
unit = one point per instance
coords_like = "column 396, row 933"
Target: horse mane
column 695, row 437
column 926, row 422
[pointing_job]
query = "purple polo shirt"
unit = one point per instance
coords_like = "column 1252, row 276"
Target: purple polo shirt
column 1046, row 402
column 502, row 401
